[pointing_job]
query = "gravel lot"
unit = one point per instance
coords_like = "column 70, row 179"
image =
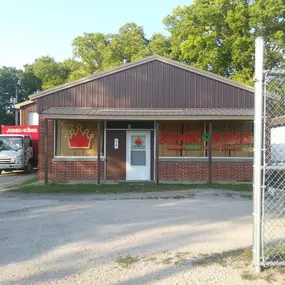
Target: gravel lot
column 78, row 239
column 10, row 178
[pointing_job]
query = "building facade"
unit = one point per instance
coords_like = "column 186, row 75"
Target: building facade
column 150, row 120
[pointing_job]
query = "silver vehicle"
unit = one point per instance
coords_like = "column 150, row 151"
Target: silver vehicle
column 16, row 153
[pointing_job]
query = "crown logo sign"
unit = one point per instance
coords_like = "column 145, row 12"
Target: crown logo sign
column 79, row 138
column 138, row 142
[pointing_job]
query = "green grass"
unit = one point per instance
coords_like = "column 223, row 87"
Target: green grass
column 222, row 259
column 122, row 187
column 25, row 183
column 246, row 275
column 275, row 253
column 127, row 261
column 29, row 181
column 166, row 261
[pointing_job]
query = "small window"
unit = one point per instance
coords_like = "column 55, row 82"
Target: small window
column 33, row 118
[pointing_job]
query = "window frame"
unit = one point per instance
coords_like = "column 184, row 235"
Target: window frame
column 77, row 157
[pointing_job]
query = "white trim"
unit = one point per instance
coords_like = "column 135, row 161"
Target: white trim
column 22, row 104
column 105, row 150
column 201, row 158
column 78, row 158
column 154, row 151
column 119, row 129
column 132, row 170
column 54, row 137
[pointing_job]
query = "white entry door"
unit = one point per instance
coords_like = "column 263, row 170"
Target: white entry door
column 138, row 155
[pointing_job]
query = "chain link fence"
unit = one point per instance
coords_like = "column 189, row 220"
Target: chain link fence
column 273, row 165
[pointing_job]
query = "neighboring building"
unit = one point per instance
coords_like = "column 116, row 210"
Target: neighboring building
column 119, row 121
column 28, row 113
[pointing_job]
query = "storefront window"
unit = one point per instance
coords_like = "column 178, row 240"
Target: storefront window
column 181, row 139
column 232, row 139
column 77, row 138
column 190, row 139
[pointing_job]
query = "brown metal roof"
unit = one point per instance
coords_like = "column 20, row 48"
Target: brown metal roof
column 106, row 112
column 126, row 66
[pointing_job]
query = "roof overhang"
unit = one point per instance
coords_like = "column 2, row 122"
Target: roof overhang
column 25, row 103
column 148, row 114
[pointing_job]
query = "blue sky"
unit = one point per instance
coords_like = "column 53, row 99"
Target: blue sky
column 32, row 28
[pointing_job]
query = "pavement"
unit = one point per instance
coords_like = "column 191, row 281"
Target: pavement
column 8, row 179
column 82, row 239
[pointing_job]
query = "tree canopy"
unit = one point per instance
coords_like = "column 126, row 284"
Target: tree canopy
column 214, row 35
column 219, row 35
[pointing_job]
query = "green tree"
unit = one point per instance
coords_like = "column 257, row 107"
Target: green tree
column 8, row 88
column 50, row 72
column 29, row 82
column 97, row 51
column 90, row 49
column 130, row 43
column 14, row 83
column 76, row 69
column 219, row 35
column 160, row 44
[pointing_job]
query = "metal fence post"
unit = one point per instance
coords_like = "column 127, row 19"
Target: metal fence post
column 258, row 139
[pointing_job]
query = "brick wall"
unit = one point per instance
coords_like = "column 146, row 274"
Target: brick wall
column 169, row 170
column 183, row 170
column 198, row 171
column 64, row 170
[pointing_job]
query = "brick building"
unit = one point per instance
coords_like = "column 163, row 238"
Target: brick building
column 113, row 125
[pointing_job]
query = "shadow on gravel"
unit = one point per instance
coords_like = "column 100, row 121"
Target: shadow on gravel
column 96, row 230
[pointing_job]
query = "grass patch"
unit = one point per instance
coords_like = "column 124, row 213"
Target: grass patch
column 29, row 181
column 151, row 259
column 269, row 278
column 222, row 259
column 122, row 188
column 275, row 253
column 166, row 261
column 246, row 275
column 246, row 196
column 127, row 261
column 24, row 183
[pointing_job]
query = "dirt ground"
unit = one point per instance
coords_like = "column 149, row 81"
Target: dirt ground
column 78, row 239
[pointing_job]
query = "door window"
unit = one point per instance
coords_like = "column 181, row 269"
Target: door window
column 138, row 152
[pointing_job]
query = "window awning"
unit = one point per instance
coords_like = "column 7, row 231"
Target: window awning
column 148, row 114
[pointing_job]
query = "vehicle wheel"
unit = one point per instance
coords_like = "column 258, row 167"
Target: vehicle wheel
column 1, row 171
column 28, row 168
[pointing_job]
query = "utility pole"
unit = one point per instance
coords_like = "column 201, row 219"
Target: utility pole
column 16, row 111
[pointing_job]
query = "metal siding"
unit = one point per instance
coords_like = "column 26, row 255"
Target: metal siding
column 24, row 113
column 159, row 98
column 150, row 85
column 236, row 95
column 166, row 86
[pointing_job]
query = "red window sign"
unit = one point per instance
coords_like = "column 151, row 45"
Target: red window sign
column 79, row 138
column 227, row 140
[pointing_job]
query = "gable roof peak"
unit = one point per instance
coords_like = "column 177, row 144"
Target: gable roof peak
column 147, row 59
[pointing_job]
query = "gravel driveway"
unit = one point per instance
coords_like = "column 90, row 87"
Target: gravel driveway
column 76, row 239
column 10, row 178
